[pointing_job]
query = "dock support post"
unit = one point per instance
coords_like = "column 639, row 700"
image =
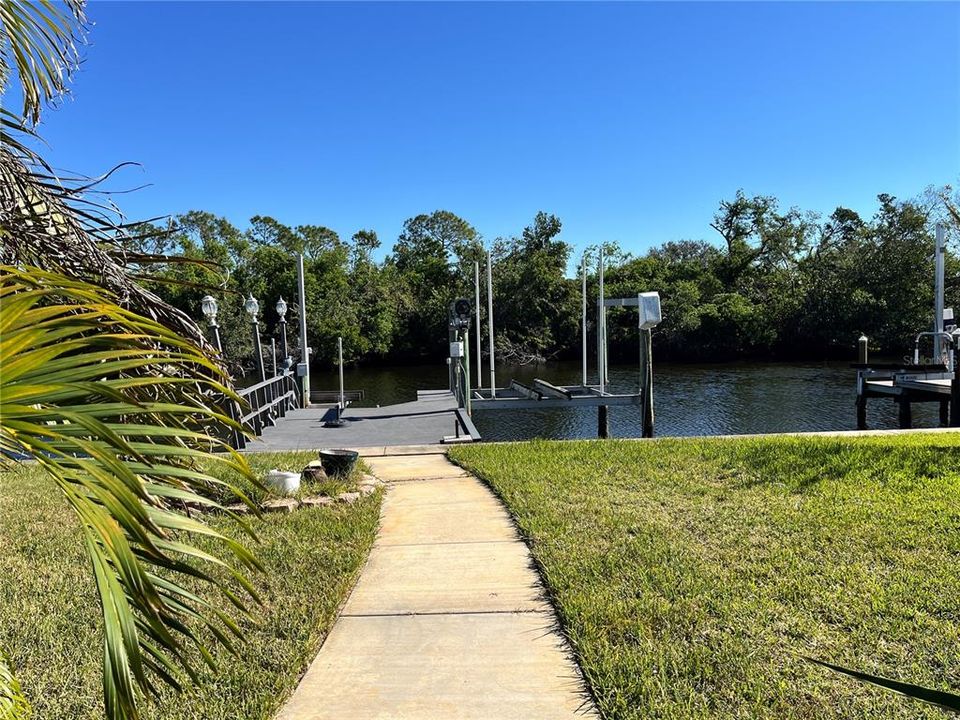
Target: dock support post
column 493, row 371
column 603, row 411
column 340, row 366
column 476, row 293
column 466, row 371
column 955, row 390
column 583, row 271
column 304, row 350
column 939, row 255
column 944, row 413
column 603, row 422
column 905, row 415
column 861, row 401
column 646, row 390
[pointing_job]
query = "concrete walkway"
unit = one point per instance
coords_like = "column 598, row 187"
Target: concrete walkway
column 447, row 620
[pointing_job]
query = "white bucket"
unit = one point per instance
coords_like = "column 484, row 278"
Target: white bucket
column 285, row 483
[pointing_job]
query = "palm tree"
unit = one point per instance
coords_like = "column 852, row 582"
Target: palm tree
column 113, row 392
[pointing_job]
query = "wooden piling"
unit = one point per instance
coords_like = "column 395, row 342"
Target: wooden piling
column 905, row 414
column 955, row 394
column 861, row 401
column 944, row 413
column 646, row 370
column 603, row 422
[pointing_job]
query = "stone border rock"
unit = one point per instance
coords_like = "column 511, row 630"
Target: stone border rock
column 367, row 486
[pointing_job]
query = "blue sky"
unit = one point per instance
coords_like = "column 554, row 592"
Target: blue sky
column 629, row 121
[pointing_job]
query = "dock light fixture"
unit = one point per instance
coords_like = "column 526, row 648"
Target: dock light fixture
column 281, row 308
column 208, row 304
column 252, row 307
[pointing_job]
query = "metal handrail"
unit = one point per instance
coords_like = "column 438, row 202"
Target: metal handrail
column 268, row 400
column 942, row 334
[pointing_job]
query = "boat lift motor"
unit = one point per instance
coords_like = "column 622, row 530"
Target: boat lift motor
column 460, row 311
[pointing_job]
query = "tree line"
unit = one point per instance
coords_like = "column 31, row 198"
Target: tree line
column 771, row 283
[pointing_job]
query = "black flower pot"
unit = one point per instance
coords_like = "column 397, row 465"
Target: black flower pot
column 338, row 462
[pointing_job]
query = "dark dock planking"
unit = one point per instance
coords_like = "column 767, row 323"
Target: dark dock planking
column 426, row 421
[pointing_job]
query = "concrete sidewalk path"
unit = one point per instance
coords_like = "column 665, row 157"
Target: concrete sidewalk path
column 447, row 620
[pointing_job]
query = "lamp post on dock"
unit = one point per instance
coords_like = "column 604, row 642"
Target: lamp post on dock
column 209, row 307
column 253, row 307
column 281, row 308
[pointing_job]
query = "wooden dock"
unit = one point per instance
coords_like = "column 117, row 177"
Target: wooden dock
column 908, row 384
column 429, row 419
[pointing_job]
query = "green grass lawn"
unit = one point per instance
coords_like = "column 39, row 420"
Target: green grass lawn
column 690, row 575
column 50, row 624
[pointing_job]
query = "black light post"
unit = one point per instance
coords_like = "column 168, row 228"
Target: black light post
column 209, row 306
column 253, row 307
column 281, row 308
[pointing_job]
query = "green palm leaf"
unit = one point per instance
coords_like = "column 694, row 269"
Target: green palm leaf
column 943, row 700
column 119, row 409
column 13, row 706
column 43, row 36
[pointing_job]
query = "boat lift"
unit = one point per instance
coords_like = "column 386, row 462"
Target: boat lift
column 541, row 393
column 937, row 381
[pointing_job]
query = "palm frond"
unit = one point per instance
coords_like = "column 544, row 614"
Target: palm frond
column 43, row 37
column 13, row 705
column 118, row 408
column 943, row 700
column 51, row 224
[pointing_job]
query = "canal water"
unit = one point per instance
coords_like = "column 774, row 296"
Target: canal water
column 689, row 400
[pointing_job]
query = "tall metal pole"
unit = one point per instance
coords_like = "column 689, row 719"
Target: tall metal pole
column 493, row 369
column 273, row 354
column 466, row 370
column 340, row 364
column 476, row 292
column 938, row 302
column 258, row 350
column 601, row 331
column 216, row 336
column 603, row 417
column 583, row 271
column 283, row 338
column 304, row 350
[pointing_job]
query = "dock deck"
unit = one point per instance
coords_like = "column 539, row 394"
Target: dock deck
column 425, row 421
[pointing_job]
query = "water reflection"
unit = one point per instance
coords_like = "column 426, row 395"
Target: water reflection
column 689, row 399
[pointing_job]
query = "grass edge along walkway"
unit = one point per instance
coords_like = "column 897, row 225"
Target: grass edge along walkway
column 690, row 574
column 49, row 619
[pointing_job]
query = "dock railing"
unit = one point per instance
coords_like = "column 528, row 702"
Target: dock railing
column 267, row 401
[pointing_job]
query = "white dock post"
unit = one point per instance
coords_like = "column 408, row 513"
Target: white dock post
column 603, row 416
column 583, row 271
column 476, row 292
column 493, row 369
column 938, row 302
column 304, row 350
column 340, row 363
column 601, row 332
